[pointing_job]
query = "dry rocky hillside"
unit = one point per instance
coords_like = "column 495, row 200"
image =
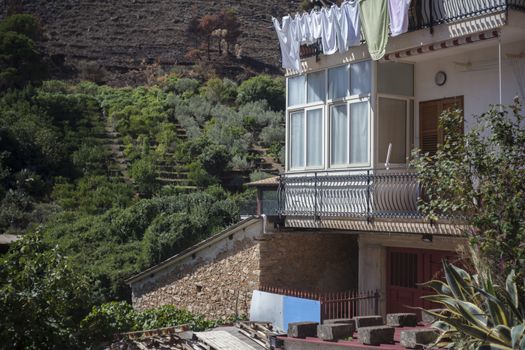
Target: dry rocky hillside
column 127, row 37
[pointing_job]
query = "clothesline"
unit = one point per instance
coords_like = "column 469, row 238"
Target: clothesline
column 339, row 28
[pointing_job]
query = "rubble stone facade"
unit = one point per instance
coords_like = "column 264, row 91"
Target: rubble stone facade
column 217, row 289
column 217, row 281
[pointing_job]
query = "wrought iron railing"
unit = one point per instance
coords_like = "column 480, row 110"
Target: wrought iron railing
column 345, row 304
column 360, row 194
column 428, row 13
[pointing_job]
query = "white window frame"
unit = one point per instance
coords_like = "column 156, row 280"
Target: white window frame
column 305, row 131
column 326, row 132
column 349, row 101
column 408, row 126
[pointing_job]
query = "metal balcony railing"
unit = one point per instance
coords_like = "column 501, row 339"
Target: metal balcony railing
column 359, row 194
column 429, row 13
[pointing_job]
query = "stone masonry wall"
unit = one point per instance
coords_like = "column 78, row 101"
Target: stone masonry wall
column 217, row 289
column 312, row 261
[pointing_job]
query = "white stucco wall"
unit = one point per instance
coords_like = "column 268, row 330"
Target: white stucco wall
column 479, row 85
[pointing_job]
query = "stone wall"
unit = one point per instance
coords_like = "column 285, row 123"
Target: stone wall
column 214, row 279
column 218, row 290
column 217, row 281
column 312, row 261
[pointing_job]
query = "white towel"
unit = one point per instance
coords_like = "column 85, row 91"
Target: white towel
column 349, row 25
column 288, row 36
column 398, row 13
column 302, row 21
column 330, row 29
column 316, row 24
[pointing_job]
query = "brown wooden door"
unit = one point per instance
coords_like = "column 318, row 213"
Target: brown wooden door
column 430, row 134
column 406, row 269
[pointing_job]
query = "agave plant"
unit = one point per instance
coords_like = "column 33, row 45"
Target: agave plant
column 477, row 313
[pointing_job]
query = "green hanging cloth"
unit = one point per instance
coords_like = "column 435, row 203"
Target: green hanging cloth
column 374, row 21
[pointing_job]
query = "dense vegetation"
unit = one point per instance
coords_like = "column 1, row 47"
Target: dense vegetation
column 478, row 177
column 85, row 227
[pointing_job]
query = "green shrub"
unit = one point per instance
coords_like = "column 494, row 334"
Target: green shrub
column 181, row 85
column 112, row 318
column 214, row 159
column 42, row 298
column 22, row 24
column 106, row 320
column 263, row 87
column 14, row 210
column 20, row 61
column 220, row 91
column 144, row 173
column 199, row 176
column 90, row 159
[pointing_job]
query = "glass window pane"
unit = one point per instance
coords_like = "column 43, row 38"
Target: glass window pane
column 338, row 82
column 297, row 140
column 392, row 129
column 360, row 78
column 339, row 134
column 315, row 91
column 359, row 132
column 395, row 78
column 314, row 146
column 296, row 90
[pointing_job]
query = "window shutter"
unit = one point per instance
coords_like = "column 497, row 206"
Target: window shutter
column 430, row 135
column 428, row 126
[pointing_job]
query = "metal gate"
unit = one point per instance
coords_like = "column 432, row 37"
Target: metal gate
column 406, row 269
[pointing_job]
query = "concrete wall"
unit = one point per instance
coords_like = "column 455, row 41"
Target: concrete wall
column 479, row 84
column 372, row 256
column 217, row 281
column 311, row 261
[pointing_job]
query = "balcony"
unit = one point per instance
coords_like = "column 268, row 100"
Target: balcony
column 356, row 194
column 425, row 14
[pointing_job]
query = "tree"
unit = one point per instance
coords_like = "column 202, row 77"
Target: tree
column 479, row 177
column 20, row 61
column 42, row 299
column 22, row 24
column 207, row 25
column 263, row 87
column 231, row 24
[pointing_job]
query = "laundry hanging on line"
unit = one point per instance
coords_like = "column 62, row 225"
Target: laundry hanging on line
column 374, row 17
column 339, row 28
column 398, row 13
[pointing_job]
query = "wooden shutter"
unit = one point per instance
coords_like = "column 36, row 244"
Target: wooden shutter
column 428, row 126
column 430, row 135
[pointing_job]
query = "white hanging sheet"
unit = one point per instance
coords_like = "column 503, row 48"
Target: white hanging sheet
column 289, row 43
column 398, row 13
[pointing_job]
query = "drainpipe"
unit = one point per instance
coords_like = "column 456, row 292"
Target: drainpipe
column 263, row 216
column 499, row 70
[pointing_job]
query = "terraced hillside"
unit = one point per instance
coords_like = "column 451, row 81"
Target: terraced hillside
column 127, row 36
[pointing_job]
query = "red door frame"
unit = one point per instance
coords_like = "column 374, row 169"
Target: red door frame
column 428, row 264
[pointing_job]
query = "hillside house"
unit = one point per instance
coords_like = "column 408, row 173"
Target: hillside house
column 352, row 123
column 344, row 215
